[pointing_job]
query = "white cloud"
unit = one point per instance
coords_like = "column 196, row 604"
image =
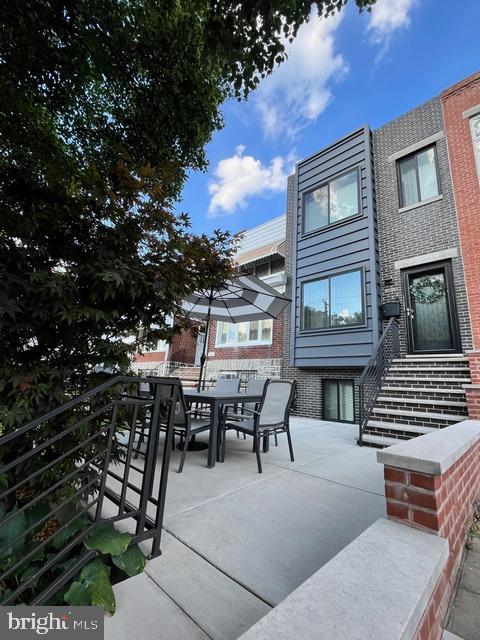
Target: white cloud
column 241, row 176
column 297, row 92
column 387, row 16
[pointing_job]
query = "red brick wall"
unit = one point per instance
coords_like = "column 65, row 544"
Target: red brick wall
column 466, row 186
column 273, row 350
column 183, row 347
column 152, row 356
column 441, row 504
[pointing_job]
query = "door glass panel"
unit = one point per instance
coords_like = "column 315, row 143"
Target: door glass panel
column 431, row 320
column 427, row 174
column 346, row 401
column 330, row 403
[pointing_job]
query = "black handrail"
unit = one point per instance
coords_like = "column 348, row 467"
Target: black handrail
column 66, row 483
column 371, row 380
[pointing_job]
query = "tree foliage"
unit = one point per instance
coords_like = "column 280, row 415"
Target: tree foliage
column 105, row 106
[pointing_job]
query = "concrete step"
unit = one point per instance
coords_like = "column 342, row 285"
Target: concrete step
column 433, row 368
column 378, row 441
column 397, row 427
column 440, row 390
column 413, row 416
column 433, row 358
column 397, row 378
column 414, row 392
column 395, row 400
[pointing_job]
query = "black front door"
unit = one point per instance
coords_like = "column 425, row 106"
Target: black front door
column 431, row 316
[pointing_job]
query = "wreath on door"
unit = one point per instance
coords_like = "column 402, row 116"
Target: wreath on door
column 427, row 289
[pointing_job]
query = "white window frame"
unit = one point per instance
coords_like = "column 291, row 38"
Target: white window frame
column 245, row 343
column 476, row 152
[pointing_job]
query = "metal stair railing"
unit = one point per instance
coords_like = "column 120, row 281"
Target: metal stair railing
column 376, row 369
column 65, row 465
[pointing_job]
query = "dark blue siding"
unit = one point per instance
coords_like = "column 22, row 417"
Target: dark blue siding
column 349, row 245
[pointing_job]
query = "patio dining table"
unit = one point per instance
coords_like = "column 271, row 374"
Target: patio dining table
column 216, row 400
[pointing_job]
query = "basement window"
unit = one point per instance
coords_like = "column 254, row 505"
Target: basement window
column 338, row 401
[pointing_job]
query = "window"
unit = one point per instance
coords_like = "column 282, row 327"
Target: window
column 418, row 177
column 331, row 202
column 244, row 334
column 338, row 400
column 475, row 127
column 335, row 301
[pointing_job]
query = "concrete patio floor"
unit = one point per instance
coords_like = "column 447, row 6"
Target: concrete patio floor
column 236, row 542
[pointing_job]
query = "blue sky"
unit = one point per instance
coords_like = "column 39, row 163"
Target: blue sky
column 341, row 73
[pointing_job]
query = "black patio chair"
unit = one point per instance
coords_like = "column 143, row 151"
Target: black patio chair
column 222, row 385
column 240, row 412
column 272, row 417
column 186, row 425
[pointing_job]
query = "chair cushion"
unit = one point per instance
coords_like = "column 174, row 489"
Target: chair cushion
column 245, row 426
column 199, row 424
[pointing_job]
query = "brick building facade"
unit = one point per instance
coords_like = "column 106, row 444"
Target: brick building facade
column 409, row 235
column 398, row 240
column 423, row 233
column 231, row 349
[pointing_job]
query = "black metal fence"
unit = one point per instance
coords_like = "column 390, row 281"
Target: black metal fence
column 371, row 380
column 74, row 467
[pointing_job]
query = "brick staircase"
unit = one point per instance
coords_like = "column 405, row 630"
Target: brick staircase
column 419, row 394
column 188, row 374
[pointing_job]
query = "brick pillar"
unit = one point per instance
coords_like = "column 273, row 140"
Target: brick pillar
column 461, row 102
column 441, row 503
column 472, row 391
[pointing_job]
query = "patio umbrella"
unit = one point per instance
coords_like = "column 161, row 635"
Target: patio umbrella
column 241, row 299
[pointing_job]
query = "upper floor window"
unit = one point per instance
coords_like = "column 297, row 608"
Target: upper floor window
column 418, row 177
column 334, row 301
column 244, row 334
column 331, row 202
column 475, row 127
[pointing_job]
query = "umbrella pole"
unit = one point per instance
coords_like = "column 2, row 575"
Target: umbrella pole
column 203, row 357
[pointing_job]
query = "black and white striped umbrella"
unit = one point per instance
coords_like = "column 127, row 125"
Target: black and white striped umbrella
column 241, row 299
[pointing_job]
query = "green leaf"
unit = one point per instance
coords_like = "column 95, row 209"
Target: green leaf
column 93, row 569
column 10, row 530
column 61, row 538
column 78, row 595
column 106, row 539
column 36, row 515
column 93, row 587
column 132, row 561
column 29, row 571
column 102, row 595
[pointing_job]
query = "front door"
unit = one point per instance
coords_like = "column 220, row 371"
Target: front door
column 431, row 316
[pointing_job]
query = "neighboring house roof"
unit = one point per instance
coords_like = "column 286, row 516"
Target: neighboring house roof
column 262, row 241
column 270, row 249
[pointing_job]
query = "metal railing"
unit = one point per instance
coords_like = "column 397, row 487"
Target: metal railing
column 72, row 468
column 371, row 380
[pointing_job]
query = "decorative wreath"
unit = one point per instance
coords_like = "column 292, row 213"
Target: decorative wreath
column 427, row 289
